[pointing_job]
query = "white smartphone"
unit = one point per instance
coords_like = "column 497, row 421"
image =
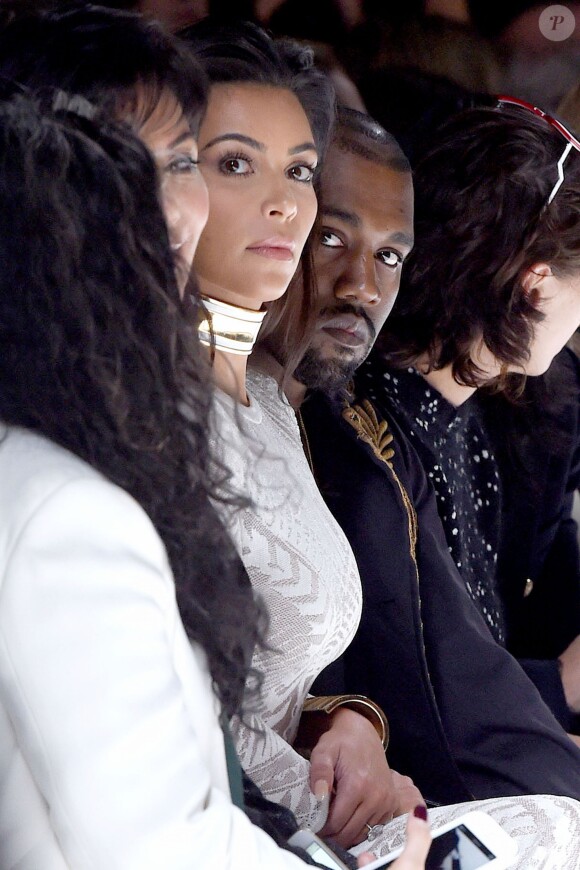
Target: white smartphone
column 317, row 849
column 471, row 841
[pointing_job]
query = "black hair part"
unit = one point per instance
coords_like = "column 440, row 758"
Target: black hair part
column 244, row 52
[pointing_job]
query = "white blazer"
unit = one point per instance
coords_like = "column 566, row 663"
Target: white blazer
column 111, row 755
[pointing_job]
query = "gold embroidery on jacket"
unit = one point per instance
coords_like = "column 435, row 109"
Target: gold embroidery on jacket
column 371, row 430
column 375, row 432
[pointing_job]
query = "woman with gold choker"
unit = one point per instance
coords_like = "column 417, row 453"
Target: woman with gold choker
column 229, row 328
column 265, row 131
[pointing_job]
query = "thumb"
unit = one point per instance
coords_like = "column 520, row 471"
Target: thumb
column 321, row 782
column 322, row 766
column 418, row 841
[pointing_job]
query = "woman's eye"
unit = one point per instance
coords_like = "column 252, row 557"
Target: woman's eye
column 330, row 240
column 182, row 164
column 390, row 258
column 235, row 166
column 302, row 172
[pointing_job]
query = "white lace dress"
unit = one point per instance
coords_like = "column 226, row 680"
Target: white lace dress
column 546, row 828
column 299, row 560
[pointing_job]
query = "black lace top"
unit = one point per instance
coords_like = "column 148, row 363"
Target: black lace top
column 459, row 461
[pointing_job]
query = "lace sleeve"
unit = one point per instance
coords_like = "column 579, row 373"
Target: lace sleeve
column 283, row 774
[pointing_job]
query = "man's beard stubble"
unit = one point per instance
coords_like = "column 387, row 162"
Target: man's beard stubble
column 333, row 376
column 329, row 376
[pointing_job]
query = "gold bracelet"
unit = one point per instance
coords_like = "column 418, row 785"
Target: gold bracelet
column 359, row 703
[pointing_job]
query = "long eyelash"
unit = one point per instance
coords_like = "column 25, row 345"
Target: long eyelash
column 236, row 155
column 311, row 168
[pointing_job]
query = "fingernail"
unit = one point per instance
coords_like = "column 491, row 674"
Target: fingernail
column 420, row 812
column 321, row 789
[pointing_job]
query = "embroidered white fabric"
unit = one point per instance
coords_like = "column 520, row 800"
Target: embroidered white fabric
column 546, row 828
column 299, row 560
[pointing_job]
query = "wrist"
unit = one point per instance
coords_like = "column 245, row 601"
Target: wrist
column 322, row 709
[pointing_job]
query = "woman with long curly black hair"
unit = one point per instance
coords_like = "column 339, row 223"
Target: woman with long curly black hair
column 113, row 562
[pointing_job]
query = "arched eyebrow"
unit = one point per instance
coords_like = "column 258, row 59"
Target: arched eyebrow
column 305, row 146
column 253, row 143
column 236, row 137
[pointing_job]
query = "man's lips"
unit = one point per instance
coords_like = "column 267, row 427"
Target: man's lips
column 274, row 248
column 348, row 329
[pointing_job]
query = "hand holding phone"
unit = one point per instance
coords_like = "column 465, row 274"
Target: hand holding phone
column 413, row 857
column 471, row 842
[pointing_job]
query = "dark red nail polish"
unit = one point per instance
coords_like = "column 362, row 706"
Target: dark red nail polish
column 420, row 812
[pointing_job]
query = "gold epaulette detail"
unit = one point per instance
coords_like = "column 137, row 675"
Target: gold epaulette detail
column 371, row 429
column 374, row 431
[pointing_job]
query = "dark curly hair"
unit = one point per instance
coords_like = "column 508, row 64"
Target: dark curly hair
column 98, row 355
column 243, row 52
column 481, row 221
column 115, row 58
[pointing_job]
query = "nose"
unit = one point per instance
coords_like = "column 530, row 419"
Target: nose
column 280, row 202
column 358, row 280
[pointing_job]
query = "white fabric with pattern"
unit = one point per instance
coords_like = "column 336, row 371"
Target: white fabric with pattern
column 299, row 560
column 547, row 829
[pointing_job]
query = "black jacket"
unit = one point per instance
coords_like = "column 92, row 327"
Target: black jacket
column 535, row 445
column 465, row 720
column 538, row 452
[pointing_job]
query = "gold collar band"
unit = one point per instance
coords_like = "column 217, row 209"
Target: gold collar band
column 228, row 327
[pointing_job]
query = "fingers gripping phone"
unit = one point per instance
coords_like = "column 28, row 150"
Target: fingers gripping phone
column 470, row 842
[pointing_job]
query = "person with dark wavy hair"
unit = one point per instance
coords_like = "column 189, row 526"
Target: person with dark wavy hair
column 133, row 71
column 117, row 641
column 490, row 297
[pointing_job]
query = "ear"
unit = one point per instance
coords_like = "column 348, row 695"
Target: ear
column 534, row 281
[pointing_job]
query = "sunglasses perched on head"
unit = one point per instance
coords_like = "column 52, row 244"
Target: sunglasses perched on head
column 571, row 140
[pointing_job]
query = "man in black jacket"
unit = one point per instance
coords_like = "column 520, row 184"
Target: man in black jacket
column 465, row 720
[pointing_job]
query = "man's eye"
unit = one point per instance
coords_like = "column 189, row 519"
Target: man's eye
column 330, row 240
column 390, row 258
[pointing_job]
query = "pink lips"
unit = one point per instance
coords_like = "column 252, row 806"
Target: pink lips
column 348, row 329
column 275, row 248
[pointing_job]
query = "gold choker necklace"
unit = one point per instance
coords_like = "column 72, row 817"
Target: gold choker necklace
column 229, row 327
